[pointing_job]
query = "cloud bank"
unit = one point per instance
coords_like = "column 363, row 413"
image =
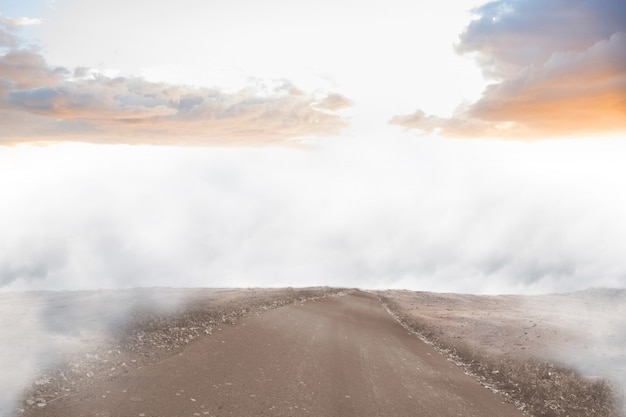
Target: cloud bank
column 40, row 103
column 559, row 69
column 468, row 216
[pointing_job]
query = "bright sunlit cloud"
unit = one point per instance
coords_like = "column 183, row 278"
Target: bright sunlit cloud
column 559, row 69
column 385, row 59
column 276, row 163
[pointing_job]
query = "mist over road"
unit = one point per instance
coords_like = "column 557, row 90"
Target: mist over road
column 338, row 356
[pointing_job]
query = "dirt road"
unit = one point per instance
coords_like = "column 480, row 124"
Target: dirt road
column 340, row 356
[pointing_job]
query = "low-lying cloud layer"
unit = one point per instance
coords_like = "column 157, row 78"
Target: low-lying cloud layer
column 559, row 69
column 478, row 217
column 40, row 103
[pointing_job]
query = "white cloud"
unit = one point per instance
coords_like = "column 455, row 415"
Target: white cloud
column 439, row 215
column 384, row 57
column 42, row 103
column 14, row 22
column 53, row 106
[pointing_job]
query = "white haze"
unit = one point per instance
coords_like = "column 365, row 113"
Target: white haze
column 39, row 328
column 596, row 322
column 427, row 214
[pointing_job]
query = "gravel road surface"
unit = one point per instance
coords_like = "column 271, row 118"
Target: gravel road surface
column 339, row 356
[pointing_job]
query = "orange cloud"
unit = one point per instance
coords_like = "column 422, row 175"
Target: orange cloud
column 43, row 104
column 135, row 111
column 570, row 93
column 27, row 69
column 548, row 83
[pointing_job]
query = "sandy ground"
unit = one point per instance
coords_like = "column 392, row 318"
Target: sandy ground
column 53, row 343
column 339, row 356
column 585, row 330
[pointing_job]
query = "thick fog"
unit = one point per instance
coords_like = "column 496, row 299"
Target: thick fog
column 474, row 217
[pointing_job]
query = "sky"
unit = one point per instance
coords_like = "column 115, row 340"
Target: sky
column 461, row 146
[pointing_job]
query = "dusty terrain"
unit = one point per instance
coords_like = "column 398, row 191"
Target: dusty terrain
column 54, row 344
column 338, row 356
column 69, row 351
column 583, row 331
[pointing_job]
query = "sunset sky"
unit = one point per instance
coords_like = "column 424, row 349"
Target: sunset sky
column 454, row 145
